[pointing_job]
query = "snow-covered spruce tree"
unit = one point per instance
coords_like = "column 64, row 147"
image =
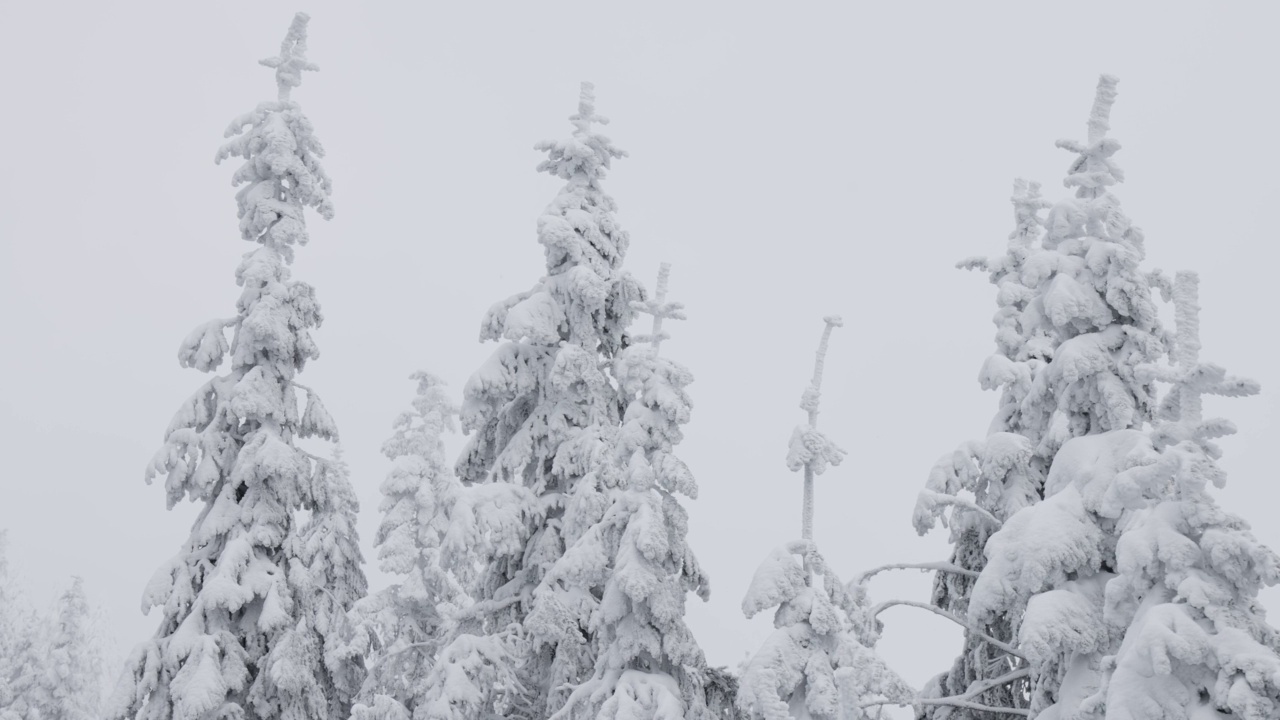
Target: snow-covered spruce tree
column 1076, row 322
column 316, row 659
column 22, row 658
column 1138, row 594
column 70, row 688
column 542, row 412
column 50, row 665
column 237, row 601
column 818, row 663
column 635, row 559
column 401, row 626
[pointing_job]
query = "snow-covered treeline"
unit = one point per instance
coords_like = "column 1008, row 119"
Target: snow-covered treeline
column 51, row 663
column 545, row 572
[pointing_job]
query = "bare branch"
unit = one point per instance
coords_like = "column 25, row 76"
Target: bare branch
column 981, row 687
column 951, row 702
column 875, row 612
column 936, row 566
column 973, row 706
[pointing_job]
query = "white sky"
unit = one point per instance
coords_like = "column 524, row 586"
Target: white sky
column 793, row 163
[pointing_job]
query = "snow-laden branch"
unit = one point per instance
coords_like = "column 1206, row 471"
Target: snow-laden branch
column 881, row 607
column 935, row 566
column 939, row 499
column 980, row 687
column 965, row 700
column 973, row 706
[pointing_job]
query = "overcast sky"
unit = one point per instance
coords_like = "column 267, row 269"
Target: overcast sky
column 825, row 158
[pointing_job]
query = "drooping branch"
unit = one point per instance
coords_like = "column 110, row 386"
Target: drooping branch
column 881, row 607
column 1023, row 712
column 935, row 566
column 966, row 700
column 943, row 499
column 980, row 687
column 952, row 702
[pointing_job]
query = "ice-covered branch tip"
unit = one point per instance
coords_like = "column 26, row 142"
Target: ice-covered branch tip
column 587, row 109
column 659, row 308
column 292, row 60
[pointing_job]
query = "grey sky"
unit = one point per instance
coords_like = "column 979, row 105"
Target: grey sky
column 825, row 158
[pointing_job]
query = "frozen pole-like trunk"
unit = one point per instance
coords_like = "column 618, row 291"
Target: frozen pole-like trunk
column 810, row 404
column 659, row 299
column 1186, row 309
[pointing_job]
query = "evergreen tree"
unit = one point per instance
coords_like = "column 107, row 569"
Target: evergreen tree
column 1138, row 593
column 818, row 663
column 22, row 660
column 316, row 662
column 70, row 688
column 635, row 559
column 50, row 666
column 401, row 626
column 1075, row 325
column 542, row 413
column 238, row 603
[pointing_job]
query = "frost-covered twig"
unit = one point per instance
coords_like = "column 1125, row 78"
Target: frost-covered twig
column 964, row 701
column 980, row 687
column 935, row 566
column 951, row 702
column 881, row 607
column 973, row 706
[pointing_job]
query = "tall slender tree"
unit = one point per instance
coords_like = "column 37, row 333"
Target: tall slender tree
column 635, row 561
column 326, row 574
column 402, row 627
column 818, row 663
column 71, row 686
column 22, row 662
column 542, row 413
column 231, row 601
column 1076, row 322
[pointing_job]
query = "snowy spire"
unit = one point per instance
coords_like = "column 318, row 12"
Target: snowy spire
column 1186, row 309
column 1094, row 170
column 1100, row 115
column 659, row 308
column 1182, row 407
column 587, row 109
column 809, row 448
column 292, row 59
